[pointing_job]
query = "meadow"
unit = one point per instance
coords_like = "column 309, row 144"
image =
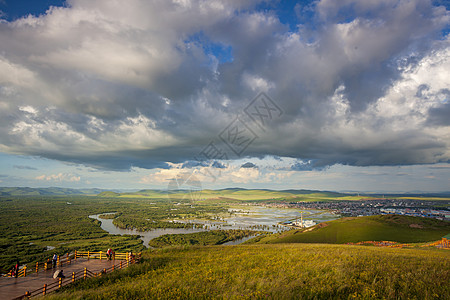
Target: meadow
column 279, row 271
column 403, row 229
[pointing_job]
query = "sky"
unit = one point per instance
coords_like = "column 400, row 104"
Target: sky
column 343, row 95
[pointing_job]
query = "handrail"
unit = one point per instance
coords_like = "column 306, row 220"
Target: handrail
column 62, row 260
column 388, row 244
column 81, row 274
column 67, row 260
column 444, row 243
column 101, row 255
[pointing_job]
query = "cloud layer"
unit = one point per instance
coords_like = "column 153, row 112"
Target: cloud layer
column 114, row 86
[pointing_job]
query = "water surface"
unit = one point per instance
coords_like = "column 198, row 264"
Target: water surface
column 258, row 218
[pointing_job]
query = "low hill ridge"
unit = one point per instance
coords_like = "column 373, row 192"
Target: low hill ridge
column 397, row 228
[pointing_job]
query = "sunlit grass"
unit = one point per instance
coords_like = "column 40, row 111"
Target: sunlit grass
column 288, row 271
column 403, row 229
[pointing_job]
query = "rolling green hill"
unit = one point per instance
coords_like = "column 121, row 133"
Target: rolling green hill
column 287, row 271
column 52, row 191
column 235, row 194
column 403, row 229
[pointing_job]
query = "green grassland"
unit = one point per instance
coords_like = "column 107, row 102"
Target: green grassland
column 289, row 265
column 280, row 271
column 403, row 229
column 28, row 224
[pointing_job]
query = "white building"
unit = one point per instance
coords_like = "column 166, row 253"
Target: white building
column 304, row 223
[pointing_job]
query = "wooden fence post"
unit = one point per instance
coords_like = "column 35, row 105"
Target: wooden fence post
column 85, row 273
column 75, row 254
column 59, row 282
column 88, row 254
column 73, row 276
column 44, row 291
column 37, row 267
column 25, row 271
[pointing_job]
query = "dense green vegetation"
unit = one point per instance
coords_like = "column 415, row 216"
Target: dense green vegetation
column 214, row 237
column 147, row 214
column 282, row 271
column 31, row 223
column 403, row 229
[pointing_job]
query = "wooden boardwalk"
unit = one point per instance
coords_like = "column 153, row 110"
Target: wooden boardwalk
column 11, row 288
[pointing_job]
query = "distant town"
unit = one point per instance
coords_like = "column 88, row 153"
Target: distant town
column 408, row 207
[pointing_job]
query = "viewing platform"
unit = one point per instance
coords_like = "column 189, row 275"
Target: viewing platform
column 80, row 265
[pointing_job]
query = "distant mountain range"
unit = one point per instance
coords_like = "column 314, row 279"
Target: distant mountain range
column 55, row 191
column 52, row 191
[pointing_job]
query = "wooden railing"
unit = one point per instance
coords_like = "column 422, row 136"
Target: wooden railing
column 444, row 244
column 101, row 255
column 67, row 260
column 388, row 244
column 42, row 266
column 81, row 274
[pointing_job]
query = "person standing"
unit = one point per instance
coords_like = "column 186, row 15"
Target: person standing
column 16, row 269
column 109, row 254
column 54, row 260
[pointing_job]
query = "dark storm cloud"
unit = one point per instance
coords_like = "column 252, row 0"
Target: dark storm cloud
column 440, row 116
column 113, row 87
column 193, row 163
column 248, row 165
column 23, row 167
column 218, row 165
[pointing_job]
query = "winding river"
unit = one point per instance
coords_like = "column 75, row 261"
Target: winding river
column 257, row 218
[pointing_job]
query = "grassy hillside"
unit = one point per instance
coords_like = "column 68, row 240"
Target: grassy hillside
column 235, row 194
column 240, row 195
column 288, row 271
column 396, row 228
column 52, row 191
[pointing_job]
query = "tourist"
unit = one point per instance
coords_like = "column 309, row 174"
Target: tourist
column 59, row 274
column 16, row 269
column 54, row 260
column 109, row 253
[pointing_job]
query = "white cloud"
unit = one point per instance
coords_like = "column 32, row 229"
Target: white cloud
column 60, row 177
column 28, row 109
column 114, row 86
